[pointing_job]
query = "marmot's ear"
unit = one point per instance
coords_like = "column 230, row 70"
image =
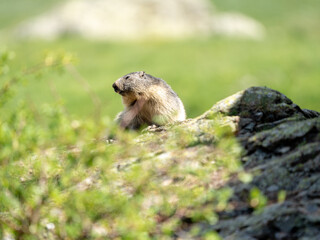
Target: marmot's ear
column 141, row 73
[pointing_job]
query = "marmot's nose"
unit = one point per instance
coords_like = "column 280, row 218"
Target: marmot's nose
column 115, row 87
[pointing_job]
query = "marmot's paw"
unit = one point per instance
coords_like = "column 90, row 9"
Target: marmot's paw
column 154, row 128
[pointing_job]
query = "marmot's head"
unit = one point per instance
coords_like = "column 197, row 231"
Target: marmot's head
column 132, row 84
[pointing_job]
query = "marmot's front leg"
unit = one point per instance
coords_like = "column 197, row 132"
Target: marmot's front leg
column 128, row 118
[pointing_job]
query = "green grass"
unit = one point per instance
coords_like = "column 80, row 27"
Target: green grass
column 15, row 11
column 201, row 71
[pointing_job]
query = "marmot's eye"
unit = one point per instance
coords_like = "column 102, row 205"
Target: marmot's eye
column 126, row 77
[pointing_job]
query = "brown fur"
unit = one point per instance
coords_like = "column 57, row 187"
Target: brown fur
column 147, row 100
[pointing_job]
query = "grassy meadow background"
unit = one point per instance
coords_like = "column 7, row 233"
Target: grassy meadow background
column 202, row 71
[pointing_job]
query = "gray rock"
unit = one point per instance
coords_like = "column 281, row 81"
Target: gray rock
column 281, row 144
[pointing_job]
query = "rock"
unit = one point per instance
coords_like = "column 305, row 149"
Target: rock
column 234, row 24
column 138, row 19
column 281, row 149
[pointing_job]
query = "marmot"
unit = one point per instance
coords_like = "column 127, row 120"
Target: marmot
column 148, row 101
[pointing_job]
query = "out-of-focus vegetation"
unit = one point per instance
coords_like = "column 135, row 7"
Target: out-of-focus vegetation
column 202, row 71
column 59, row 179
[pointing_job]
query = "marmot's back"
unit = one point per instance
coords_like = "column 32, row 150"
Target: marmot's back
column 148, row 100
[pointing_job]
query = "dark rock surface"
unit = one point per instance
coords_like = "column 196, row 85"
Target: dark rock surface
column 281, row 151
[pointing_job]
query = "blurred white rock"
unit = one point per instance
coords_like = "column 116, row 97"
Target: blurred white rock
column 237, row 25
column 138, row 19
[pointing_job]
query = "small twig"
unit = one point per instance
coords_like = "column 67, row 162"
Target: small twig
column 86, row 86
column 38, row 67
column 54, row 91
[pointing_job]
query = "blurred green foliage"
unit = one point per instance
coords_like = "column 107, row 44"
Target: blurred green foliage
column 257, row 200
column 60, row 179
